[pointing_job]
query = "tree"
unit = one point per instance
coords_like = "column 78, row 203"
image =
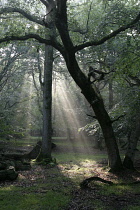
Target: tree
column 47, row 94
column 68, row 51
column 47, row 103
column 21, row 101
column 128, row 83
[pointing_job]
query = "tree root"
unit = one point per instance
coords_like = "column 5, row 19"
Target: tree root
column 85, row 183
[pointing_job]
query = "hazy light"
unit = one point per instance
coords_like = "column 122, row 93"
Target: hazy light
column 65, row 107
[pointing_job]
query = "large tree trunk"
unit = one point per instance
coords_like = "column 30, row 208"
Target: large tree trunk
column 47, row 103
column 90, row 92
column 94, row 98
column 47, row 93
column 132, row 144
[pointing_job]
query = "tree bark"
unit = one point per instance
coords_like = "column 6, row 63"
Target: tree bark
column 47, row 102
column 47, row 91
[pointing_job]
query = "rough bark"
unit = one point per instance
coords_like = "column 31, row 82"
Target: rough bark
column 47, row 102
column 47, row 89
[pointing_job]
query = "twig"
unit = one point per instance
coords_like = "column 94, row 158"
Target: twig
column 112, row 121
column 94, row 117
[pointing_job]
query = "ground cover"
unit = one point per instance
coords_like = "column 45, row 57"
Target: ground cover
column 57, row 187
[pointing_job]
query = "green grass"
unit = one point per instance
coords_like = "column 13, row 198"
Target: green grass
column 12, row 198
column 98, row 205
column 117, row 190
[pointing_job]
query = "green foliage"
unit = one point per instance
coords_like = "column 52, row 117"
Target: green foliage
column 18, row 95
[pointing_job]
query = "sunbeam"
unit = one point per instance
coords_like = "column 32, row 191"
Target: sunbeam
column 70, row 118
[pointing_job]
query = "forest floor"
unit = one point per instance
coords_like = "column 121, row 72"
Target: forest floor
column 57, row 187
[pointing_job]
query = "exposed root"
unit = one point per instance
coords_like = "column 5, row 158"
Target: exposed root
column 85, row 184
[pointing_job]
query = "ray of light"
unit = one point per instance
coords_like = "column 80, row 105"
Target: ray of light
column 67, row 111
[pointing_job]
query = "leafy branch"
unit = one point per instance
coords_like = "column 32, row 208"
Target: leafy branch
column 109, row 36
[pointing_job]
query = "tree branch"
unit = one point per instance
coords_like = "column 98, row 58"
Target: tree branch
column 22, row 12
column 94, row 117
column 53, row 43
column 135, row 79
column 112, row 121
column 109, row 36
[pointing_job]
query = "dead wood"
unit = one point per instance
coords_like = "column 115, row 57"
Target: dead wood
column 85, row 183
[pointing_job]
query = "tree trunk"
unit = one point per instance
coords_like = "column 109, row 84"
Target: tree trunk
column 90, row 92
column 132, row 144
column 47, row 103
column 94, row 98
column 47, row 92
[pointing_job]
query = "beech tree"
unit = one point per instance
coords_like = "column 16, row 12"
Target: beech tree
column 63, row 42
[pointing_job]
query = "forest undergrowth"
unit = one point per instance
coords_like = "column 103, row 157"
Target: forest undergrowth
column 57, row 187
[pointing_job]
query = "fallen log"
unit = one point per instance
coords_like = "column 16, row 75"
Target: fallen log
column 84, row 183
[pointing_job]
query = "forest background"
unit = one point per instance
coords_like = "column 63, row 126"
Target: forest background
column 40, row 40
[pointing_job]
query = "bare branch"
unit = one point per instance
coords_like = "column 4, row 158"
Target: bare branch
column 94, row 117
column 130, row 82
column 10, row 62
column 22, row 12
column 109, row 36
column 112, row 121
column 135, row 79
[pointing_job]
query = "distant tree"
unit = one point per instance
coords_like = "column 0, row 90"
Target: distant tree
column 17, row 91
